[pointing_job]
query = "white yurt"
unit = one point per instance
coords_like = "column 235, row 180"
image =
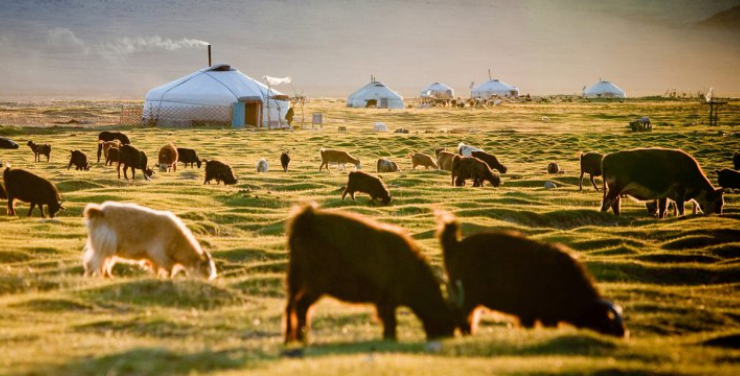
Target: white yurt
column 495, row 87
column 437, row 90
column 375, row 94
column 604, row 89
column 218, row 94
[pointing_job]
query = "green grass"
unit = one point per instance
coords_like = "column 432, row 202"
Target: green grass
column 678, row 279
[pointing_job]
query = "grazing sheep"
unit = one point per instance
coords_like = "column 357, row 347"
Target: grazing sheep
column 39, row 150
column 728, row 178
column 6, row 143
column 554, row 168
column 188, row 156
column 466, row 150
column 167, row 158
column 339, row 157
column 110, row 136
column 421, row 159
column 736, row 160
column 444, row 159
column 28, row 187
column 490, row 160
column 657, row 174
column 131, row 157
column 79, row 159
column 464, row 168
column 284, row 160
column 107, row 145
column 114, row 155
column 363, row 182
column 506, row 272
column 355, row 259
column 387, row 165
column 219, row 171
column 262, row 165
column 591, row 163
column 133, row 232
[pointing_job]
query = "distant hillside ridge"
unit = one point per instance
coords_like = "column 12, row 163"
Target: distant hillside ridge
column 727, row 19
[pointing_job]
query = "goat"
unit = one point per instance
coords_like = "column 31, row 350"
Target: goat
column 107, row 146
column 131, row 157
column 464, row 168
column 114, row 155
column 444, row 159
column 387, row 165
column 188, row 156
column 79, row 159
column 219, row 171
column 39, row 150
column 167, row 158
column 28, row 187
column 490, row 160
column 339, row 157
column 591, row 163
column 284, row 160
column 133, row 232
column 363, row 182
column 421, row 159
column 466, row 150
column 506, row 272
column 110, row 136
column 356, row 259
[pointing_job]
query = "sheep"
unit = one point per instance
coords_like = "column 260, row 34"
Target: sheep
column 363, row 182
column 130, row 156
column 188, row 156
column 28, row 187
column 339, row 157
column 262, row 165
column 136, row 233
column 219, row 171
column 506, row 272
column 466, row 150
column 110, row 136
column 554, row 168
column 591, row 163
column 421, row 159
column 167, row 158
column 284, row 160
column 728, row 178
column 39, row 150
column 356, row 259
column 79, row 159
column 736, row 160
column 107, row 145
column 444, row 159
column 6, row 143
column 464, row 168
column 114, row 155
column 387, row 165
column 490, row 160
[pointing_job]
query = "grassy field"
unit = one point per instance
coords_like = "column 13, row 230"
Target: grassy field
column 678, row 279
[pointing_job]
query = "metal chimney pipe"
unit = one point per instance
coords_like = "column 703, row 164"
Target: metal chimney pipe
column 209, row 55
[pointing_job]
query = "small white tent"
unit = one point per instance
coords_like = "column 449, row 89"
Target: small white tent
column 604, row 89
column 437, row 90
column 495, row 87
column 375, row 94
column 217, row 94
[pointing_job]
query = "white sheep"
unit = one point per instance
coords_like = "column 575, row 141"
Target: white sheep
column 262, row 165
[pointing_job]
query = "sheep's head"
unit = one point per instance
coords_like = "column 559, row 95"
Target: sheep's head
column 199, row 162
column 386, row 198
column 604, row 317
column 711, row 201
column 358, row 165
column 206, row 268
column 163, row 167
column 148, row 172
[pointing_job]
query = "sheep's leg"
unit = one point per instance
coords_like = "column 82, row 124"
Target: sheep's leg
column 33, row 205
column 11, row 205
column 680, row 206
column 344, row 193
column 592, row 182
column 302, row 305
column 100, row 149
column 662, row 205
column 580, row 181
column 133, row 173
column 352, row 194
column 48, row 210
column 616, row 205
column 387, row 314
column 290, row 320
column 118, row 168
column 48, row 157
column 610, row 196
column 70, row 165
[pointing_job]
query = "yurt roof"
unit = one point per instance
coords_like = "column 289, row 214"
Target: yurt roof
column 436, row 88
column 605, row 87
column 494, row 85
column 376, row 88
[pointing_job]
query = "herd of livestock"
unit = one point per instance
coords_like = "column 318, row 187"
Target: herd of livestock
column 503, row 271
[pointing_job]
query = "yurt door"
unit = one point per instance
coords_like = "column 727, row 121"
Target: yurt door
column 252, row 113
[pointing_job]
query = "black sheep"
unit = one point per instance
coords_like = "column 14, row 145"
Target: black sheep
column 285, row 160
column 363, row 182
column 188, row 156
column 728, row 178
column 29, row 187
column 79, row 159
column 131, row 157
column 591, row 164
column 219, row 171
column 507, row 272
column 735, row 160
column 464, row 168
column 110, row 136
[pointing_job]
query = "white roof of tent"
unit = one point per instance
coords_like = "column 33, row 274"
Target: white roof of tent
column 604, row 89
column 375, row 90
column 495, row 87
column 437, row 90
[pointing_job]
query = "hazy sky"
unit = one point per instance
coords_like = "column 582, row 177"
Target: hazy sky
column 122, row 48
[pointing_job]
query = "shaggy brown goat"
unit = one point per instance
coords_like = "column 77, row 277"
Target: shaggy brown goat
column 444, row 159
column 188, row 156
column 355, row 259
column 464, row 168
column 421, row 159
column 387, row 165
column 39, row 150
column 110, row 136
column 591, row 163
column 219, row 171
column 339, row 157
column 506, row 272
column 114, row 155
column 363, row 182
column 79, row 159
column 130, row 156
column 107, row 145
column 167, row 158
column 490, row 160
column 29, row 187
column 284, row 160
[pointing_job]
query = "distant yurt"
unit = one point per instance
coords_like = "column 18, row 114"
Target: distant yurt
column 495, row 87
column 375, row 95
column 218, row 94
column 604, row 89
column 438, row 91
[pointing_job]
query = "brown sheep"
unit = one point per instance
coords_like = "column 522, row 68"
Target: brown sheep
column 387, row 165
column 591, row 164
column 131, row 157
column 490, row 160
column 464, row 168
column 339, row 157
column 79, row 159
column 219, row 171
column 110, row 136
column 39, row 150
column 421, row 159
column 188, row 156
column 167, row 158
column 363, row 182
column 504, row 271
column 358, row 260
column 114, row 155
column 29, row 187
column 106, row 146
column 554, row 168
column 444, row 159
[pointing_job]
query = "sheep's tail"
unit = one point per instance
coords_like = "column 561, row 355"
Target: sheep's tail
column 448, row 234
